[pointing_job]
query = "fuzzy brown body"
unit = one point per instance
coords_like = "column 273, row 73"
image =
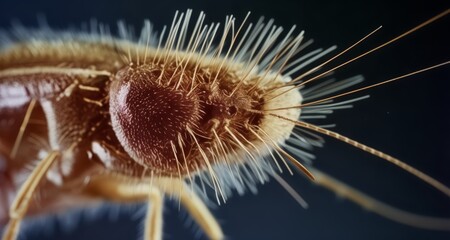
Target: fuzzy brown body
column 72, row 84
column 90, row 118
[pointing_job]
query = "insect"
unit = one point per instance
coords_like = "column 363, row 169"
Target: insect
column 87, row 100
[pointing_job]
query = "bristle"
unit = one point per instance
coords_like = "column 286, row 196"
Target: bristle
column 217, row 107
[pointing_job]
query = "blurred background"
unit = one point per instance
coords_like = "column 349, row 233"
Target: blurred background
column 408, row 119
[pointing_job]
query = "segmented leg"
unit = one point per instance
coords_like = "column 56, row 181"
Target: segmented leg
column 124, row 189
column 201, row 214
column 153, row 221
column 21, row 203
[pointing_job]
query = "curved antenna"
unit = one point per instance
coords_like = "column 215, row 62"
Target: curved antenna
column 378, row 207
column 421, row 175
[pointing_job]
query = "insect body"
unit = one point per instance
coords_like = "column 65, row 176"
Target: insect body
column 104, row 118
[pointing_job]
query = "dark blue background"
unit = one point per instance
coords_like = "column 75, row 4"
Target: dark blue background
column 408, row 119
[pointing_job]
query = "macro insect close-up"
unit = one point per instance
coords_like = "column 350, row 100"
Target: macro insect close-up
column 217, row 123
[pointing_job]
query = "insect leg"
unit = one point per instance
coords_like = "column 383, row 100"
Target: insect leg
column 122, row 189
column 21, row 203
column 201, row 214
column 153, row 221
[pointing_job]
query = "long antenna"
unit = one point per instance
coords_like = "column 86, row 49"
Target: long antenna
column 426, row 178
column 443, row 14
column 383, row 45
column 378, row 207
column 363, row 88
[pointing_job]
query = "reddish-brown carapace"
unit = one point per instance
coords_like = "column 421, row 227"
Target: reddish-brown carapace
column 103, row 118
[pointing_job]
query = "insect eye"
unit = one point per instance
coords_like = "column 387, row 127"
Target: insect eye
column 147, row 116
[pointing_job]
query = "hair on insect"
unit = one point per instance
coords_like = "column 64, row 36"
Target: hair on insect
column 194, row 107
